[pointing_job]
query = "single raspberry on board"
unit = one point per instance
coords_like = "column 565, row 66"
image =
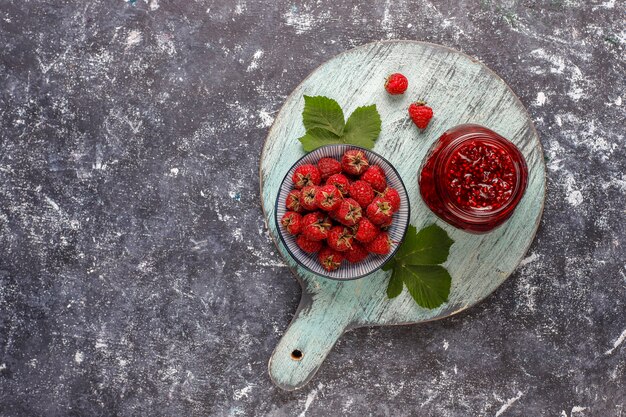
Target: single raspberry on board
column 420, row 114
column 396, row 84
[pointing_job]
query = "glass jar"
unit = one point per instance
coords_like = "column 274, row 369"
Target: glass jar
column 473, row 178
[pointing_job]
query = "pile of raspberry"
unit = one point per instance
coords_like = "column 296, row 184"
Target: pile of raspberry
column 341, row 210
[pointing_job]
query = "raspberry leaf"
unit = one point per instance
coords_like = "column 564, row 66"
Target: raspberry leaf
column 324, row 123
column 323, row 112
column 316, row 137
column 429, row 285
column 363, row 127
column 430, row 246
column 395, row 285
column 416, row 265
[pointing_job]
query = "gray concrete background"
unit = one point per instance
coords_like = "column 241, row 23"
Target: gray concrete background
column 136, row 274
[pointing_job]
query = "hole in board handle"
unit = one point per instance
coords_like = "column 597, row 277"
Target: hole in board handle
column 296, row 355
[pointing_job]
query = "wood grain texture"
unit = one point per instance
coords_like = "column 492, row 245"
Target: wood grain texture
column 461, row 90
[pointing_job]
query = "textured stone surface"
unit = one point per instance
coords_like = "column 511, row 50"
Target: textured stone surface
column 137, row 277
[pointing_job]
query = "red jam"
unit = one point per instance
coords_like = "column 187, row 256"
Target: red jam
column 473, row 178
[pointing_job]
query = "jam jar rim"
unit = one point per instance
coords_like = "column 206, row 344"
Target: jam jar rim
column 442, row 159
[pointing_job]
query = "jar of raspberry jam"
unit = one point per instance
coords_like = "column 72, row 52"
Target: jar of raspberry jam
column 473, row 178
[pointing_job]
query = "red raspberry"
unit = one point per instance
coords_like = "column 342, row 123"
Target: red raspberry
column 318, row 228
column 341, row 182
column 386, row 224
column 376, row 177
column 362, row 192
column 307, row 199
column 340, row 238
column 379, row 211
column 328, row 197
column 420, row 114
column 330, row 258
column 381, row 245
column 391, row 195
column 309, row 246
column 306, row 174
column 293, row 201
column 396, row 84
column 356, row 253
column 349, row 212
column 292, row 221
column 328, row 167
column 366, row 231
column 354, row 162
column 311, row 218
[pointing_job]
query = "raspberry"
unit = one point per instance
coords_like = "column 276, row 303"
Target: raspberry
column 311, row 218
column 306, row 174
column 330, row 258
column 349, row 212
column 356, row 253
column 341, row 182
column 292, row 221
column 354, row 162
column 381, row 245
column 328, row 197
column 362, row 192
column 386, row 224
column 309, row 246
column 340, row 238
column 375, row 176
column 396, row 84
column 328, row 167
column 366, row 231
column 391, row 195
column 420, row 114
column 307, row 199
column 316, row 229
column 379, row 211
column 293, row 201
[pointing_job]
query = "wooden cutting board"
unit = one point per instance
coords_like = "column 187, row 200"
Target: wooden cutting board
column 460, row 90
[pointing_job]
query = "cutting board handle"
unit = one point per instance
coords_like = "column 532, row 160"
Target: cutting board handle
column 314, row 330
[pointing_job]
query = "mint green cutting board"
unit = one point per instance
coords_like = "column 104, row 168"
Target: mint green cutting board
column 460, row 90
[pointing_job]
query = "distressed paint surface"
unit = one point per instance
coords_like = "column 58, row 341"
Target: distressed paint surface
column 462, row 91
column 137, row 277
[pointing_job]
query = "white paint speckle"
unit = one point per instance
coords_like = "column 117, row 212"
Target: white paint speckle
column 541, row 99
column 133, row 38
column 243, row 392
column 154, row 4
column 446, row 345
column 79, row 357
column 617, row 342
column 530, row 259
column 310, row 398
column 509, row 403
column 3, row 366
column 575, row 198
column 254, row 64
column 300, row 21
column 577, row 409
column 266, row 119
column 174, row 172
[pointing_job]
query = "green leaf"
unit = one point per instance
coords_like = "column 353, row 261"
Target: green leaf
column 323, row 112
column 429, row 285
column 363, row 127
column 395, row 285
column 388, row 266
column 430, row 246
column 316, row 137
